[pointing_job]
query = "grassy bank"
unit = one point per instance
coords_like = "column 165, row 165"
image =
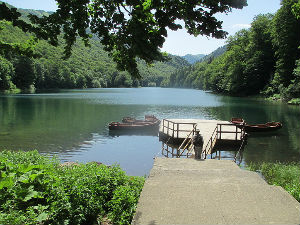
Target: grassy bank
column 284, row 175
column 38, row 190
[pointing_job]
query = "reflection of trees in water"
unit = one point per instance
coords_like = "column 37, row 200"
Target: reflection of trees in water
column 15, row 111
column 281, row 145
column 58, row 123
column 54, row 124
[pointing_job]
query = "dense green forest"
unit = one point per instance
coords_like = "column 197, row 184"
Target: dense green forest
column 264, row 59
column 88, row 67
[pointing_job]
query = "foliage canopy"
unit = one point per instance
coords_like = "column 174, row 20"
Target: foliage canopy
column 128, row 29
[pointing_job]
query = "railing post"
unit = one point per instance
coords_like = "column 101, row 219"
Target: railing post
column 210, row 145
column 168, row 128
column 173, row 131
column 236, row 130
column 177, row 129
column 163, row 125
column 220, row 131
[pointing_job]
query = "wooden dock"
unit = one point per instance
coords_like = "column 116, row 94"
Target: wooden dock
column 217, row 135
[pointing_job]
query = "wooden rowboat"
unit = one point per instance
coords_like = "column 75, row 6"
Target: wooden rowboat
column 128, row 123
column 266, row 127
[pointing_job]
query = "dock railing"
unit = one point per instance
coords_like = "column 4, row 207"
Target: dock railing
column 186, row 144
column 239, row 134
column 173, row 128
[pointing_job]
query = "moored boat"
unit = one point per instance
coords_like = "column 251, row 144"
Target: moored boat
column 266, row 127
column 128, row 123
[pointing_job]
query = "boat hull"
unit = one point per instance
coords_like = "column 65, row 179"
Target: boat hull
column 130, row 124
column 267, row 127
column 123, row 126
column 262, row 128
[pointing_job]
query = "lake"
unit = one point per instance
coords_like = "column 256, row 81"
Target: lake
column 73, row 124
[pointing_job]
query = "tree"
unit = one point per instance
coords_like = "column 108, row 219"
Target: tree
column 128, row 29
column 260, row 61
column 6, row 74
column 24, row 73
column 286, row 40
column 296, row 9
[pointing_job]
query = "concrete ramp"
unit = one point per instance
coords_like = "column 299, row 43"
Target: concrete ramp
column 188, row 191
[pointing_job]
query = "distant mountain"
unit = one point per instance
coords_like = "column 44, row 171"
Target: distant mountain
column 219, row 51
column 26, row 12
column 193, row 58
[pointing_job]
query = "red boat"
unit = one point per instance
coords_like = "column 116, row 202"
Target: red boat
column 129, row 123
column 270, row 126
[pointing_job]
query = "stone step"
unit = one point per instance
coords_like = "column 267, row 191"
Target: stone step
column 193, row 164
column 213, row 176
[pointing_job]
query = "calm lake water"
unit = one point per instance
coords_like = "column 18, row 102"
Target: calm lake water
column 73, row 124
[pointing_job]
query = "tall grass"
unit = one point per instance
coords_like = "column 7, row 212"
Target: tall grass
column 280, row 174
column 38, row 190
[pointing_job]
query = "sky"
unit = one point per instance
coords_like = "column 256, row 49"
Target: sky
column 180, row 42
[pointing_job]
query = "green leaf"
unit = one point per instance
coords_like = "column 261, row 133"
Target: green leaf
column 43, row 216
column 31, row 194
column 35, row 175
column 6, row 182
column 24, row 179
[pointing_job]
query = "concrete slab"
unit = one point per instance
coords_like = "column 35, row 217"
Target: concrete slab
column 179, row 191
column 211, row 177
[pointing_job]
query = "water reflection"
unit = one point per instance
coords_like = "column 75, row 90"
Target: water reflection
column 172, row 151
column 74, row 124
column 145, row 132
column 281, row 145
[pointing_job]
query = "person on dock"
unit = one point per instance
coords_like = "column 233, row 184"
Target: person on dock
column 197, row 141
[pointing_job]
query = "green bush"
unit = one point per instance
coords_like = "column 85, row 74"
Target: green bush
column 294, row 101
column 284, row 175
column 38, row 190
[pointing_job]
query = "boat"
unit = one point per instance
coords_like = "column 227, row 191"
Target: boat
column 266, row 127
column 129, row 123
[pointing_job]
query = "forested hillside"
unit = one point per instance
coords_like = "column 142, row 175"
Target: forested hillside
column 263, row 59
column 186, row 77
column 87, row 67
column 193, row 58
column 219, row 51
